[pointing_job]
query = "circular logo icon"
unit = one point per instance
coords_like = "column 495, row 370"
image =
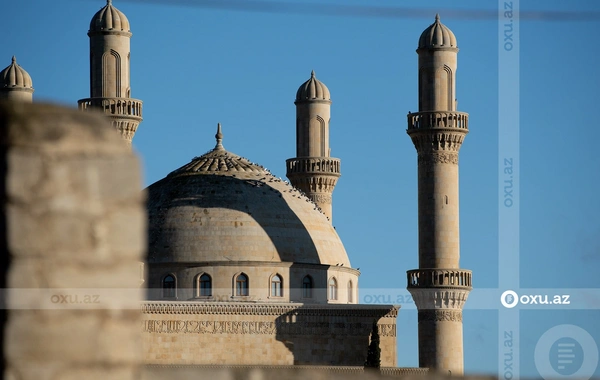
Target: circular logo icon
column 509, row 299
column 566, row 351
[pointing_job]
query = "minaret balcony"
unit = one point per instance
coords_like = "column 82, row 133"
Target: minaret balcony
column 439, row 278
column 116, row 107
column 313, row 165
column 438, row 120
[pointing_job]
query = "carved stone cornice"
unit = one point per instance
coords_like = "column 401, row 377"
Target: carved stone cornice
column 440, row 315
column 177, row 326
column 239, row 308
column 433, row 140
column 313, row 183
column 432, row 298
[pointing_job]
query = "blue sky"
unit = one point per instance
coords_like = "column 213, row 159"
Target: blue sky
column 194, row 66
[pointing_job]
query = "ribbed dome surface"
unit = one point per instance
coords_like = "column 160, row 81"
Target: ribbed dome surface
column 15, row 76
column 313, row 89
column 437, row 35
column 109, row 18
column 222, row 207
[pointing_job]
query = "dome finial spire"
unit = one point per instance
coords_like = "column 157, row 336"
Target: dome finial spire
column 108, row 2
column 437, row 17
column 312, row 74
column 219, row 137
column 14, row 59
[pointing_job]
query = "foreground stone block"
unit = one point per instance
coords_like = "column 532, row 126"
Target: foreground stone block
column 72, row 231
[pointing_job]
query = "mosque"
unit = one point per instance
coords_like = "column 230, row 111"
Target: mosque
column 245, row 268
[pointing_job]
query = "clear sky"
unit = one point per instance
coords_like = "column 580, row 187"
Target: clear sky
column 194, row 66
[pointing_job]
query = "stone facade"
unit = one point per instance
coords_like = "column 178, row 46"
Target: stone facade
column 265, row 334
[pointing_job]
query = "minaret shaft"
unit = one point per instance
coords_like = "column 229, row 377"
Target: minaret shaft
column 109, row 66
column 313, row 170
column 439, row 287
column 439, row 245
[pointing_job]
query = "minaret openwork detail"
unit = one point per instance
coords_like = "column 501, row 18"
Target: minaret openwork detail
column 439, row 287
column 313, row 170
column 110, row 88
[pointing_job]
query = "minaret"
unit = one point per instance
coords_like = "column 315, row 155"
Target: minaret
column 439, row 287
column 313, row 170
column 15, row 83
column 110, row 89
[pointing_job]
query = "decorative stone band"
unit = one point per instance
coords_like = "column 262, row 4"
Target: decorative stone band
column 438, row 120
column 238, row 308
column 440, row 315
column 389, row 371
column 434, row 277
column 320, row 198
column 428, row 141
column 429, row 299
column 316, row 165
column 268, row 328
column 430, row 159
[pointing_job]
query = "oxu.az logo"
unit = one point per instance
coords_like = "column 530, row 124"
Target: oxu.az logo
column 510, row 299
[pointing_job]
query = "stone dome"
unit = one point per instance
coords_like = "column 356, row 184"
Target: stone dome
column 221, row 207
column 312, row 89
column 437, row 35
column 14, row 76
column 109, row 18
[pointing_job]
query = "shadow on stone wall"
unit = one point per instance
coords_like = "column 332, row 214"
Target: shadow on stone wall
column 332, row 335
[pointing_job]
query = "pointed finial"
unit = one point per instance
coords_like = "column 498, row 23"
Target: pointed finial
column 437, row 17
column 14, row 59
column 312, row 74
column 219, row 137
column 108, row 2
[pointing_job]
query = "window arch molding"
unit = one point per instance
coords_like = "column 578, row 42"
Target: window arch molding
column 203, row 285
column 307, row 286
column 350, row 291
column 332, row 289
column 276, row 285
column 169, row 285
column 241, row 285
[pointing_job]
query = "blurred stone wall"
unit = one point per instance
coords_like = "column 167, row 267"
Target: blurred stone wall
column 73, row 235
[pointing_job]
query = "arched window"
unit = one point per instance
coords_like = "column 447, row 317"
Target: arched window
column 204, row 286
column 350, row 292
column 169, row 286
column 307, row 285
column 276, row 286
column 332, row 288
column 241, row 285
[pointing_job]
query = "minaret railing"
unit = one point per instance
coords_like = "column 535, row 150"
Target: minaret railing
column 439, row 278
column 318, row 165
column 113, row 106
column 438, row 119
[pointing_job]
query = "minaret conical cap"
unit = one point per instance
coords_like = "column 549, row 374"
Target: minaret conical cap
column 14, row 76
column 312, row 89
column 109, row 19
column 437, row 35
